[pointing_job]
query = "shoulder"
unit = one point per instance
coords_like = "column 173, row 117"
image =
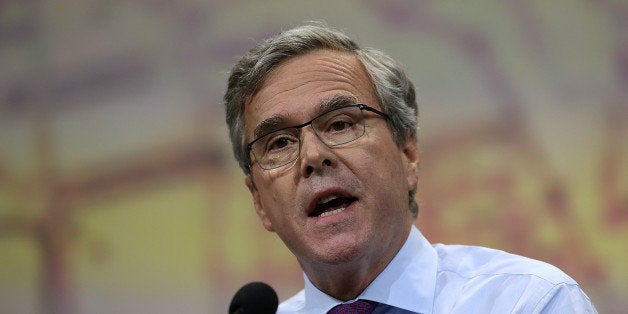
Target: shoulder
column 294, row 304
column 497, row 281
column 475, row 261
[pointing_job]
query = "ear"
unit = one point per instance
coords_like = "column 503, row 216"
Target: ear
column 259, row 208
column 411, row 158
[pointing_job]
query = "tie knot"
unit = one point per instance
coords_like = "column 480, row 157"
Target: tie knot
column 357, row 307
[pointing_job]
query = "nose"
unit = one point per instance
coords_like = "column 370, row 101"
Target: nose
column 315, row 155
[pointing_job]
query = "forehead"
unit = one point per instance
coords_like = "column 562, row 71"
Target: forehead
column 293, row 91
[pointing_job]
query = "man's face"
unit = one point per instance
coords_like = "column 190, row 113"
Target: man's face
column 362, row 185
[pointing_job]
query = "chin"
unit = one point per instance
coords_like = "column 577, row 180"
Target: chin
column 341, row 252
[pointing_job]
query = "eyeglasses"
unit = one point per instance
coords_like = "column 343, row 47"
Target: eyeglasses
column 335, row 127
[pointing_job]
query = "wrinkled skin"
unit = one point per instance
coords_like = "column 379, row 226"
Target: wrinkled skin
column 341, row 253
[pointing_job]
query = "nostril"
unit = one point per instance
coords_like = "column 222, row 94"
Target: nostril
column 326, row 162
column 309, row 170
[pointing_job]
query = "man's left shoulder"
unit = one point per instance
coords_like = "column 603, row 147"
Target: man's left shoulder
column 474, row 261
column 495, row 281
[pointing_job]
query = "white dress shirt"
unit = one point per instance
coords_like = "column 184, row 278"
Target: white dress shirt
column 425, row 278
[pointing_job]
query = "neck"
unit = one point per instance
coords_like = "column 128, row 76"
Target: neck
column 346, row 281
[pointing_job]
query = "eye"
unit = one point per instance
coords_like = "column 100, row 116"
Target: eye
column 339, row 123
column 278, row 142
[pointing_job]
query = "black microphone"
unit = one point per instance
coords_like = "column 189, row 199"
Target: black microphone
column 255, row 297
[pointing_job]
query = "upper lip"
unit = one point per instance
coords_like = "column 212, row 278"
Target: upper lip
column 326, row 195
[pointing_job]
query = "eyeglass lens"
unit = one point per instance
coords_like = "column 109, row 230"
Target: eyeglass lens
column 336, row 127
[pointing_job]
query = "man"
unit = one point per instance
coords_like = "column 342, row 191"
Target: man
column 325, row 132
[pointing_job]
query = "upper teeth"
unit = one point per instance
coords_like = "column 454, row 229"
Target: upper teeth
column 327, row 199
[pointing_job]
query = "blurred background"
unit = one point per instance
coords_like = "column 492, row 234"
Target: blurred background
column 119, row 192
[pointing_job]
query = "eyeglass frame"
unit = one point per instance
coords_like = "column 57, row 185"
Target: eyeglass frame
column 362, row 107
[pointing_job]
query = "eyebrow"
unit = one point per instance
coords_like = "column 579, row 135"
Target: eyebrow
column 336, row 101
column 269, row 125
column 275, row 122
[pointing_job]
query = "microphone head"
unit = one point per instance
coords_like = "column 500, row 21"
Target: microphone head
column 254, row 297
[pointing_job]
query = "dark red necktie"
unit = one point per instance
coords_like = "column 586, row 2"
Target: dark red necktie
column 357, row 307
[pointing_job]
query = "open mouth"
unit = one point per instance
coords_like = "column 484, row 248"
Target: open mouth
column 331, row 205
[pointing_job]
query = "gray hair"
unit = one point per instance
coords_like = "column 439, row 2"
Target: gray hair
column 393, row 89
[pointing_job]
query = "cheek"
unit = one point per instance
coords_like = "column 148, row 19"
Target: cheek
column 278, row 200
column 381, row 161
column 383, row 172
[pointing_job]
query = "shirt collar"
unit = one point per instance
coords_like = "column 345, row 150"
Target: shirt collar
column 408, row 282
